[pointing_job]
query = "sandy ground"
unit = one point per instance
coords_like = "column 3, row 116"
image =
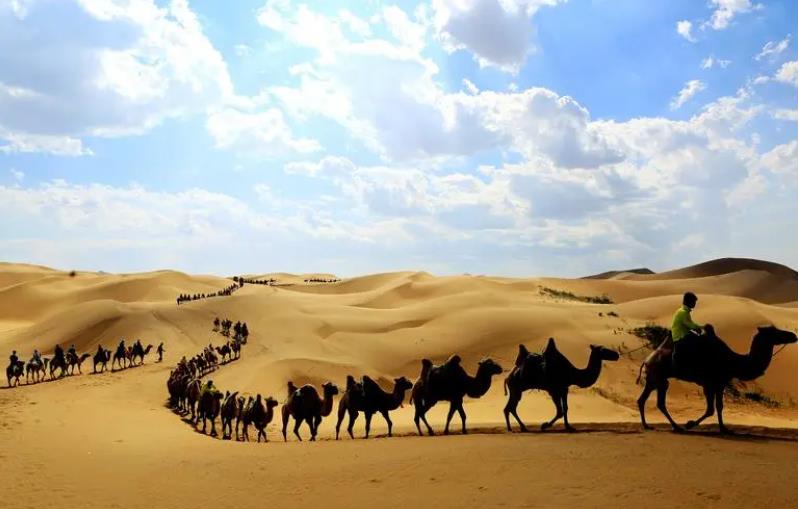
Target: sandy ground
column 109, row 441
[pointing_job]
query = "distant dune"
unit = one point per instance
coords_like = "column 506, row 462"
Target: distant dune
column 619, row 274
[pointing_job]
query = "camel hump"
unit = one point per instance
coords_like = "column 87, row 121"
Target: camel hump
column 523, row 353
column 291, row 388
column 369, row 384
column 454, row 360
column 350, row 381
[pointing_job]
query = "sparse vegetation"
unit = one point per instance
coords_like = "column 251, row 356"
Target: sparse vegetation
column 72, row 273
column 739, row 392
column 653, row 334
column 564, row 294
column 613, row 313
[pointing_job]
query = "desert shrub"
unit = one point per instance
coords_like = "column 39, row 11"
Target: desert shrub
column 653, row 334
column 564, row 294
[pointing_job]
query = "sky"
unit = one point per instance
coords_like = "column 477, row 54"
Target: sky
column 504, row 137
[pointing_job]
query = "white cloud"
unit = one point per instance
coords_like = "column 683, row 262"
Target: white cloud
column 265, row 133
column 788, row 73
column 726, row 10
column 460, row 24
column 786, row 114
column 710, row 62
column 773, row 49
column 690, row 89
column 783, row 159
column 17, row 175
column 19, row 142
column 685, row 29
column 242, row 50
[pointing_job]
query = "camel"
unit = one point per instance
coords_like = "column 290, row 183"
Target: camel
column 553, row 373
column 224, row 351
column 101, row 359
column 712, row 365
column 350, row 403
column 230, row 410
column 192, row 396
column 121, row 357
column 377, row 400
column 57, row 363
column 449, row 382
column 259, row 415
column 74, row 361
column 304, row 404
column 36, row 369
column 210, row 404
column 235, row 347
column 138, row 351
column 14, row 372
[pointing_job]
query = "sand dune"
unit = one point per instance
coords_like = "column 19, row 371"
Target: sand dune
column 380, row 325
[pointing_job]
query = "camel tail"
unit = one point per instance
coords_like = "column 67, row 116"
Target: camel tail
column 640, row 373
column 505, row 386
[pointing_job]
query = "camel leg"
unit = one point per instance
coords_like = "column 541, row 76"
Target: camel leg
column 368, row 423
column 426, row 423
column 213, row 426
column 641, row 403
column 352, row 418
column 341, row 412
column 564, row 399
column 449, row 416
column 462, row 413
column 662, row 392
column 387, row 418
column 719, row 406
column 285, row 426
column 558, row 406
column 297, row 424
column 709, row 394
column 313, row 425
column 512, row 408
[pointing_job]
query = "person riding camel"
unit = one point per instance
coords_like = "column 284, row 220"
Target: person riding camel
column 208, row 388
column 120, row 349
column 13, row 358
column 58, row 355
column 37, row 356
column 684, row 331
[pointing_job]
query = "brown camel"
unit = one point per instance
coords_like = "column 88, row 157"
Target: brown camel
column 710, row 363
column 36, row 369
column 259, row 415
column 224, row 351
column 58, row 363
column 192, row 398
column 210, row 404
column 14, row 372
column 350, row 403
column 449, row 382
column 230, row 410
column 377, row 400
column 304, row 404
column 138, row 351
column 553, row 373
column 76, row 362
column 101, row 359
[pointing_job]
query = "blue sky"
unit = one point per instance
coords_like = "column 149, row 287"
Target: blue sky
column 511, row 137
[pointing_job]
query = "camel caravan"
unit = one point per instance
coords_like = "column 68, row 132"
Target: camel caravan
column 224, row 292
column 62, row 364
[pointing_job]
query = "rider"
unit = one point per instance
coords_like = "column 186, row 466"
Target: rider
column 13, row 358
column 37, row 356
column 100, row 349
column 208, row 387
column 684, row 330
column 58, row 355
column 121, row 347
column 72, row 352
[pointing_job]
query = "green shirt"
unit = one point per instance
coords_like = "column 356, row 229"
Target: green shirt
column 682, row 324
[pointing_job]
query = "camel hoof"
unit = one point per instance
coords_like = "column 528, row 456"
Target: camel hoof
column 690, row 425
column 524, row 429
column 570, row 429
column 678, row 429
column 647, row 427
column 726, row 431
column 545, row 426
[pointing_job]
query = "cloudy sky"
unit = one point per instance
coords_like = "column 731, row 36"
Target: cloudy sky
column 511, row 137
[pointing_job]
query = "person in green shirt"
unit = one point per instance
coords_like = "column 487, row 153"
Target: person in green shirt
column 684, row 330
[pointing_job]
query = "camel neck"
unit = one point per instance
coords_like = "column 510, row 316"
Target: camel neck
column 478, row 385
column 754, row 364
column 587, row 377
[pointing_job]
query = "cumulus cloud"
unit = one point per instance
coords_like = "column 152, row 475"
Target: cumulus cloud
column 783, row 159
column 726, row 10
column 788, row 73
column 460, row 24
column 710, row 62
column 786, row 114
column 265, row 133
column 773, row 49
column 685, row 29
column 690, row 89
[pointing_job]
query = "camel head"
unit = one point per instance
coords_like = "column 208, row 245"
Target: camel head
column 330, row 389
column 490, row 367
column 270, row 403
column 775, row 336
column 403, row 384
column 605, row 354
